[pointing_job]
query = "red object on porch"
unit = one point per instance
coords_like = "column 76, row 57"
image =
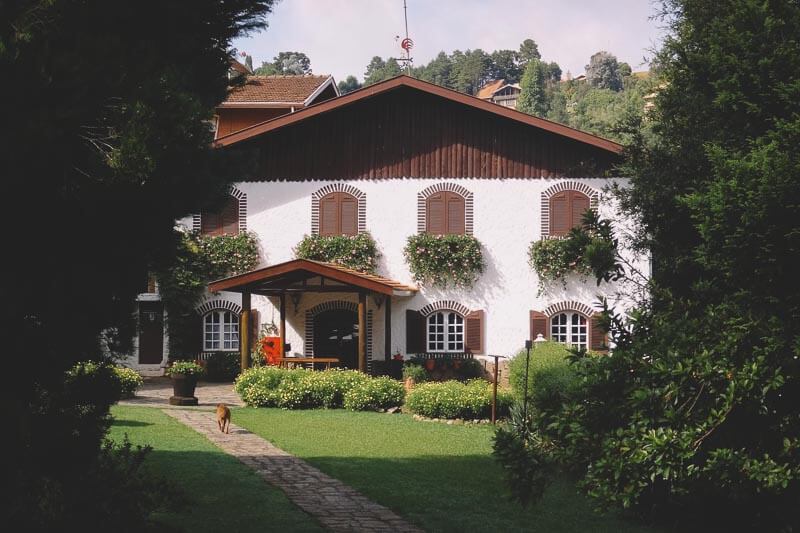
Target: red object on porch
column 270, row 349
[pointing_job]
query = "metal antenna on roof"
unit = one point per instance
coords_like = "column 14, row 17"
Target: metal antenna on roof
column 406, row 44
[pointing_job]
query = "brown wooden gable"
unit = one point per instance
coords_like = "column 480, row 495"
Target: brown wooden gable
column 408, row 130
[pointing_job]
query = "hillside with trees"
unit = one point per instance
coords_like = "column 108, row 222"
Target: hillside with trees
column 609, row 96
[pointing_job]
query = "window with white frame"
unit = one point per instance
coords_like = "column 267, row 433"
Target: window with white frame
column 570, row 328
column 220, row 331
column 445, row 332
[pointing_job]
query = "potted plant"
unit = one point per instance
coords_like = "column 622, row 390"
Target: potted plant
column 184, row 375
column 413, row 374
column 430, row 364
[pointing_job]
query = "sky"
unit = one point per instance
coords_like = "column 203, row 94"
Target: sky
column 341, row 36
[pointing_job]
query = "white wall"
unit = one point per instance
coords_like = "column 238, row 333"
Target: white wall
column 507, row 217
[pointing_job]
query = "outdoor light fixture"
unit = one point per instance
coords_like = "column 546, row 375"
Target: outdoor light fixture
column 295, row 296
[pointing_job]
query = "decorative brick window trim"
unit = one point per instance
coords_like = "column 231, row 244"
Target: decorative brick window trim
column 560, row 307
column 422, row 197
column 445, row 305
column 592, row 193
column 197, row 221
column 211, row 305
column 359, row 195
column 308, row 336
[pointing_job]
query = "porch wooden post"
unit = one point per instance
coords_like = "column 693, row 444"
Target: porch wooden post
column 244, row 332
column 283, row 324
column 362, row 331
column 387, row 335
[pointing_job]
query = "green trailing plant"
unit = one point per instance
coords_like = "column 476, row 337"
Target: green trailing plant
column 415, row 372
column 199, row 260
column 358, row 252
column 444, row 260
column 184, row 368
column 587, row 250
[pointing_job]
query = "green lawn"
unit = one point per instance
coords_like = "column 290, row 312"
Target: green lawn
column 222, row 493
column 440, row 477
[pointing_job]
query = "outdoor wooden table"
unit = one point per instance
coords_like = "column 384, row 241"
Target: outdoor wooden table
column 328, row 361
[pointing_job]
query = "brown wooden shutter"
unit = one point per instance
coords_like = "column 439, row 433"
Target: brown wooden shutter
column 210, row 224
column 230, row 217
column 348, row 209
column 455, row 214
column 435, row 215
column 415, row 332
column 580, row 204
column 474, row 332
column 328, row 215
column 538, row 325
column 559, row 214
column 598, row 337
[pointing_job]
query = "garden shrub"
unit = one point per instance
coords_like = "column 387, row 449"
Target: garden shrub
column 223, row 366
column 415, row 372
column 129, row 380
column 453, row 399
column 374, row 394
column 269, row 386
column 550, row 376
column 258, row 386
column 92, row 383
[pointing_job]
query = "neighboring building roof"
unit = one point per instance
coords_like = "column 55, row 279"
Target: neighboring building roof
column 415, row 84
column 490, row 88
column 292, row 273
column 238, row 67
column 296, row 90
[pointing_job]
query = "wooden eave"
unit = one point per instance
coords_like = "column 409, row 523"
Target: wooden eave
column 294, row 276
column 407, row 81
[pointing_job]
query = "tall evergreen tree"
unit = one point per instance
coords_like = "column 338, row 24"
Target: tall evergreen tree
column 532, row 98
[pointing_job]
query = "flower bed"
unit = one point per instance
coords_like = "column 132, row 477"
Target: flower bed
column 453, row 399
column 307, row 389
column 358, row 252
column 444, row 260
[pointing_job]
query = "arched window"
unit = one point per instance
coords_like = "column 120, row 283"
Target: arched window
column 338, row 214
column 445, row 214
column 223, row 222
column 570, row 327
column 445, row 332
column 566, row 211
column 220, row 331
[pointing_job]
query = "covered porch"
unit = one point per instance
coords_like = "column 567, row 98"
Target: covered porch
column 301, row 276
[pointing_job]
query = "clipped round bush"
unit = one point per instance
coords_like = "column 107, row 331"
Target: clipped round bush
column 453, row 399
column 129, row 380
column 550, row 376
column 375, row 394
column 258, row 386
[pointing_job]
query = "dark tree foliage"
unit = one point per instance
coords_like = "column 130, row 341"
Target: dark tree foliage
column 694, row 419
column 603, row 71
column 348, row 85
column 106, row 142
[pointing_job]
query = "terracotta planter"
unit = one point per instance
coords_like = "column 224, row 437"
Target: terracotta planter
column 457, row 364
column 409, row 384
column 183, row 386
column 430, row 364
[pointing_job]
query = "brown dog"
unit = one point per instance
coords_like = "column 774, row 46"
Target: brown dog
column 223, row 418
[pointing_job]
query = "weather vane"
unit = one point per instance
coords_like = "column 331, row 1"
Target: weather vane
column 406, row 44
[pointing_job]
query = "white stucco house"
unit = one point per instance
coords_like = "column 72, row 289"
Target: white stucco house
column 396, row 159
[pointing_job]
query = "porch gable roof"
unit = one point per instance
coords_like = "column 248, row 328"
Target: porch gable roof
column 292, row 276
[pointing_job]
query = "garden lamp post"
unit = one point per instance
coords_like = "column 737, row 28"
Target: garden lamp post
column 494, row 386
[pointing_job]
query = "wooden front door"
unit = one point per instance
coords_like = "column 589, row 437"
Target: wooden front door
column 336, row 335
column 151, row 333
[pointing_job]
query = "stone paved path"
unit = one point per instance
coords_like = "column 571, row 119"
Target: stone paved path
column 156, row 392
column 337, row 506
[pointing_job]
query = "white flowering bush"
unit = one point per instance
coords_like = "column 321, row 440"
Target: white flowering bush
column 358, row 252
column 129, row 379
column 259, row 386
column 444, row 260
column 375, row 394
column 553, row 259
column 453, row 399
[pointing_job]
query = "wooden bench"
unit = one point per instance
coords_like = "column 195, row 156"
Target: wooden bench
column 327, row 361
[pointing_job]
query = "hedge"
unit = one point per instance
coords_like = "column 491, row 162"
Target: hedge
column 550, row 376
column 453, row 399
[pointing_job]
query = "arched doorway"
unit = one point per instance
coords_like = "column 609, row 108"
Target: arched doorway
column 336, row 335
